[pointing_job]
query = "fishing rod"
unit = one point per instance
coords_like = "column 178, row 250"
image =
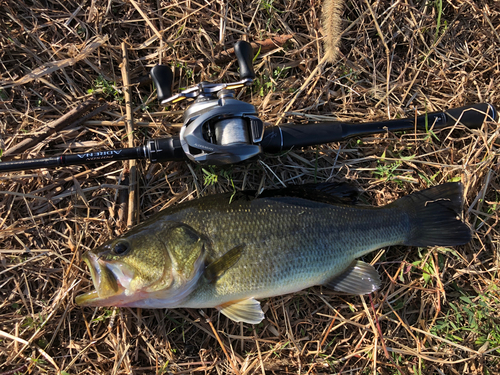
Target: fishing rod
column 219, row 129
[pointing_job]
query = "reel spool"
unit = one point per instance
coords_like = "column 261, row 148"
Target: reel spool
column 218, row 129
column 221, row 131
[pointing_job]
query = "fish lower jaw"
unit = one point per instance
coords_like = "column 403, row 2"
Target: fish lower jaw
column 86, row 298
column 119, row 300
column 160, row 299
column 92, row 299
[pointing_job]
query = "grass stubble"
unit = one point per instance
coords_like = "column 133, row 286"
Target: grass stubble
column 437, row 310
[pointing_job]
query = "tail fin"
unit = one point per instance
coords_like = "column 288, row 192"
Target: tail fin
column 435, row 216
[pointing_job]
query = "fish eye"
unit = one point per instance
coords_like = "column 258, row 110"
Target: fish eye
column 121, row 247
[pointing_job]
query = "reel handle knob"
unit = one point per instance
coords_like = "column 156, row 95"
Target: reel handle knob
column 244, row 54
column 163, row 78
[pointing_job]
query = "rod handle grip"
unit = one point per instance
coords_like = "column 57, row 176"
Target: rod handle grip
column 472, row 115
column 244, row 54
column 287, row 136
column 163, row 78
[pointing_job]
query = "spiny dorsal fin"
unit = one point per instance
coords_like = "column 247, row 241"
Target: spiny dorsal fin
column 326, row 192
column 246, row 311
column 217, row 268
column 360, row 278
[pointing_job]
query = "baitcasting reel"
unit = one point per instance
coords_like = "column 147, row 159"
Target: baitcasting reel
column 218, row 129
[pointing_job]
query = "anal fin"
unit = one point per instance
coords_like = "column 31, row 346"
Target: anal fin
column 359, row 278
column 246, row 311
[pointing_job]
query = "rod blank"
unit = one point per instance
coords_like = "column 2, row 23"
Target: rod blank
column 276, row 138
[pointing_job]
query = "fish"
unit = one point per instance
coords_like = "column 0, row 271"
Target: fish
column 228, row 251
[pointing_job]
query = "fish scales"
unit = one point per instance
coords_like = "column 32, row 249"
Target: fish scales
column 283, row 235
column 227, row 252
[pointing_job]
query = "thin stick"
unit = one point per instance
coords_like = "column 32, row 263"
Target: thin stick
column 258, row 351
column 146, row 18
column 26, row 344
column 73, row 117
column 387, row 52
column 132, row 212
column 379, row 329
column 325, row 334
column 209, row 321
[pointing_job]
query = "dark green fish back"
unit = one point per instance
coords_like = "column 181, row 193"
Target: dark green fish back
column 290, row 243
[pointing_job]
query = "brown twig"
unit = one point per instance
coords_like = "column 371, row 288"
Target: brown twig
column 132, row 164
column 15, row 371
column 72, row 118
column 261, row 47
column 146, row 18
column 377, row 323
column 209, row 321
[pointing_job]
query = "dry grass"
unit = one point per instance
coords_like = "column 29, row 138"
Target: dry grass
column 437, row 312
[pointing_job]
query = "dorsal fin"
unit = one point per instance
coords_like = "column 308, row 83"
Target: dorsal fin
column 326, row 192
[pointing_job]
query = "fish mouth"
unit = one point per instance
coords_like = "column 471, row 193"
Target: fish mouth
column 87, row 299
column 107, row 287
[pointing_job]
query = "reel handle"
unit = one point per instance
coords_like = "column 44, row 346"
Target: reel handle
column 163, row 78
column 244, row 53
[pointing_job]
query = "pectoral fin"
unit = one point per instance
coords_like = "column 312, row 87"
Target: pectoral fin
column 217, row 268
column 360, row 278
column 246, row 311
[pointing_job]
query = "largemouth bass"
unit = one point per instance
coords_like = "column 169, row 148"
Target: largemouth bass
column 229, row 253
